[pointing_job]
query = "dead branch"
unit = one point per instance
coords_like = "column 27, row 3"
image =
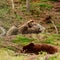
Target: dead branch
column 13, row 7
column 54, row 26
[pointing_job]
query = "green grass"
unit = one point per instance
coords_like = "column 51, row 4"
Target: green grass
column 55, row 57
column 6, row 54
column 36, row 8
column 22, row 40
column 22, row 8
column 45, row 6
column 53, row 0
column 53, row 39
column 48, row 0
column 18, row 17
column 4, row 11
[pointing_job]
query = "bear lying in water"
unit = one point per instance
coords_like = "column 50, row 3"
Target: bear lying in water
column 36, row 48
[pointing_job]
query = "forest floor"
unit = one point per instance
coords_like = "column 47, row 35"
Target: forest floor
column 10, row 46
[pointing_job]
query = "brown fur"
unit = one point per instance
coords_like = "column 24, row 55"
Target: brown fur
column 36, row 48
column 12, row 31
column 27, row 28
column 31, row 27
column 47, row 19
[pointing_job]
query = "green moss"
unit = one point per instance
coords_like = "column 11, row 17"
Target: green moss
column 6, row 54
column 58, row 25
column 44, row 0
column 4, row 8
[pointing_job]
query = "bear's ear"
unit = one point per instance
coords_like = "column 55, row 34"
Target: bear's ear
column 29, row 25
column 31, row 44
column 31, row 21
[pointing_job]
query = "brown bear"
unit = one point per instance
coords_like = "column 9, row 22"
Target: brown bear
column 12, row 31
column 31, row 27
column 27, row 28
column 36, row 48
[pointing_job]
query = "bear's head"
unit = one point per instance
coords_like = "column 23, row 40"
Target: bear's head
column 32, row 27
column 29, row 46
